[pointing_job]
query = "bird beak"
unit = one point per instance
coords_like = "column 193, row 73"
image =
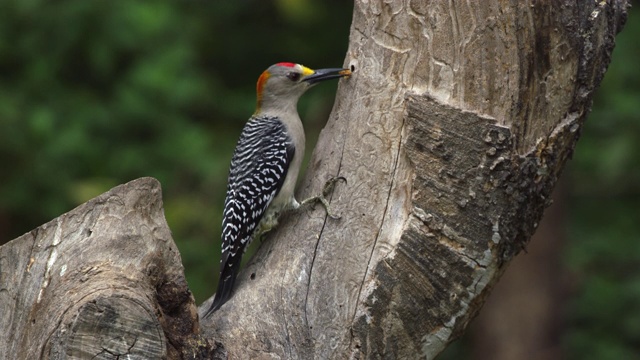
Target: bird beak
column 326, row 74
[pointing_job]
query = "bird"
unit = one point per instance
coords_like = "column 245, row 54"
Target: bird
column 265, row 166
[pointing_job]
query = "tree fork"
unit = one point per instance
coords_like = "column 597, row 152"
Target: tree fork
column 451, row 133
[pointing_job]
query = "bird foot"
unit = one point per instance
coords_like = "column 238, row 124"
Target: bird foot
column 328, row 188
column 268, row 223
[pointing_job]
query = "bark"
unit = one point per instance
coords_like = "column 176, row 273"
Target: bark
column 102, row 281
column 523, row 317
column 451, row 133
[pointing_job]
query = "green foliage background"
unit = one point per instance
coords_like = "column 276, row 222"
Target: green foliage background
column 97, row 93
column 603, row 253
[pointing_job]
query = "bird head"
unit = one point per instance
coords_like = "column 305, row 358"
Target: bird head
column 281, row 85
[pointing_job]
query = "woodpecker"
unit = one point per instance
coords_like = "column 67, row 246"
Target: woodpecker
column 265, row 166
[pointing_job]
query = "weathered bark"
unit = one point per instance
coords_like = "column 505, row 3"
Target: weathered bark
column 523, row 317
column 101, row 281
column 451, row 133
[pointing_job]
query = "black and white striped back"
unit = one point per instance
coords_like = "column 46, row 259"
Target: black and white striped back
column 258, row 169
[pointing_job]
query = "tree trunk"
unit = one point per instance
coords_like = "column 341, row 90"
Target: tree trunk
column 451, row 133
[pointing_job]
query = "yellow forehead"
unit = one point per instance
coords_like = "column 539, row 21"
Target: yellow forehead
column 306, row 71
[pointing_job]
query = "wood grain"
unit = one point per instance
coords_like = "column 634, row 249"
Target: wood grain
column 451, row 134
column 101, row 281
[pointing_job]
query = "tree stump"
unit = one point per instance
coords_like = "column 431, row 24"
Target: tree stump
column 101, row 281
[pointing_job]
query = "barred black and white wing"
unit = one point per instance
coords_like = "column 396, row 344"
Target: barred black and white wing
column 258, row 170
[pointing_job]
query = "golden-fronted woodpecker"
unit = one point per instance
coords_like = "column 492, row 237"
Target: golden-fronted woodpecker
column 265, row 166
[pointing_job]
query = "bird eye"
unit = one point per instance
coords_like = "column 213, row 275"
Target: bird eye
column 293, row 76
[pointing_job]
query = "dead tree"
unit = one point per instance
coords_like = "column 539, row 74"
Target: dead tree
column 451, row 133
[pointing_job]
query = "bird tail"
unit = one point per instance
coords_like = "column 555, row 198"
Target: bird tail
column 228, row 274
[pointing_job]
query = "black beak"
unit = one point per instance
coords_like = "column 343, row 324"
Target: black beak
column 326, row 74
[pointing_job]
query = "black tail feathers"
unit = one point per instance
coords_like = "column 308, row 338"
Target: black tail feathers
column 228, row 275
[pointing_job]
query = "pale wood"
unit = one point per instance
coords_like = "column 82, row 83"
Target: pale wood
column 101, row 281
column 451, row 134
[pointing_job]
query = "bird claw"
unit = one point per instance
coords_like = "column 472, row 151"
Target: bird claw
column 328, row 188
column 331, row 184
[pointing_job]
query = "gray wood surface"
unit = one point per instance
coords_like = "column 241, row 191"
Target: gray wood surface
column 451, row 134
column 101, row 281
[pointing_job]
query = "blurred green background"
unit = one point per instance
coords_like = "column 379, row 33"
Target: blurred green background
column 97, row 93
